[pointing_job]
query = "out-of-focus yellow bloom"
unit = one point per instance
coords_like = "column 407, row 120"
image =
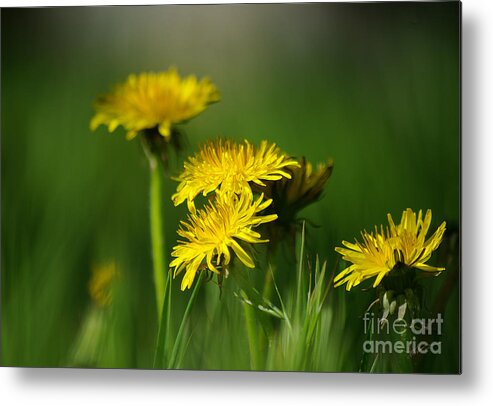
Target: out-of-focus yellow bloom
column 211, row 232
column 404, row 244
column 153, row 100
column 101, row 283
column 227, row 166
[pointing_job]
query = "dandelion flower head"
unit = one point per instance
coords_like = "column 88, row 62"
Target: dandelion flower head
column 214, row 233
column 380, row 252
column 224, row 165
column 153, row 100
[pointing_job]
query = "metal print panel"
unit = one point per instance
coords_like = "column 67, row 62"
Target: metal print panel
column 232, row 187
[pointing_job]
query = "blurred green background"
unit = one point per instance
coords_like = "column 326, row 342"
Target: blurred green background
column 374, row 86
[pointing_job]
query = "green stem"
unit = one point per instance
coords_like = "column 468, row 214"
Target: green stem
column 163, row 331
column 181, row 330
column 253, row 342
column 157, row 239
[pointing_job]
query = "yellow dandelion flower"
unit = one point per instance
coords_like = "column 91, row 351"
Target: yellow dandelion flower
column 211, row 232
column 100, row 284
column 224, row 165
column 153, row 100
column 381, row 252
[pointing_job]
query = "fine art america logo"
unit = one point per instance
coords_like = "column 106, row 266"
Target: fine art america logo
column 411, row 337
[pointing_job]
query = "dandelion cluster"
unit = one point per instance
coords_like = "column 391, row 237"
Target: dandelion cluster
column 382, row 251
column 239, row 195
column 247, row 186
column 227, row 169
